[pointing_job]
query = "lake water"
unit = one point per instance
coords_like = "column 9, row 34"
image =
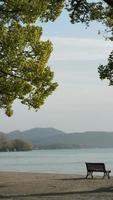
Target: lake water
column 55, row 161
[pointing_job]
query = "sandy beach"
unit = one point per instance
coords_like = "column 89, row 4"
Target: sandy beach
column 35, row 186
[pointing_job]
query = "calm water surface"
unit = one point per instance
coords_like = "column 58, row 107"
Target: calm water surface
column 55, row 161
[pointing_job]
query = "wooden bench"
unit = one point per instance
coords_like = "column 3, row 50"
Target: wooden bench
column 97, row 167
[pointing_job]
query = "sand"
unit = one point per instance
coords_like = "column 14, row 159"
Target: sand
column 35, row 186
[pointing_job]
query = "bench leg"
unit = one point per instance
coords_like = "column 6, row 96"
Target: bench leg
column 92, row 174
column 106, row 174
column 89, row 174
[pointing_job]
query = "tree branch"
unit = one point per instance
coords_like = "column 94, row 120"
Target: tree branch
column 10, row 74
column 109, row 2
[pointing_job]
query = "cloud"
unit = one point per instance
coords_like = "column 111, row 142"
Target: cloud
column 76, row 49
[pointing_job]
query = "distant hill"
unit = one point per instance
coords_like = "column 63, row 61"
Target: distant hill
column 36, row 135
column 52, row 138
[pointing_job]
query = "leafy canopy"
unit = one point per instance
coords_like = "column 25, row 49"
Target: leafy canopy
column 24, row 73
column 28, row 11
column 86, row 11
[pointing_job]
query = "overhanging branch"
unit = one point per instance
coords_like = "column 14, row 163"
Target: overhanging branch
column 109, row 2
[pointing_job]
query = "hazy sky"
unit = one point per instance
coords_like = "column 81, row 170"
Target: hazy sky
column 82, row 102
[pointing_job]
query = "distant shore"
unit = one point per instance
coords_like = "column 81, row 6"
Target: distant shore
column 37, row 186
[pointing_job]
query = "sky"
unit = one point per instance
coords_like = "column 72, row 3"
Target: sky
column 82, row 102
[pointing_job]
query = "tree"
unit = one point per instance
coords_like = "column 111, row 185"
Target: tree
column 4, row 143
column 21, row 145
column 106, row 71
column 23, row 70
column 29, row 11
column 86, row 11
column 102, row 11
column 24, row 73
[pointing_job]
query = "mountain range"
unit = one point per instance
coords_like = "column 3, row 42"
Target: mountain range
column 50, row 138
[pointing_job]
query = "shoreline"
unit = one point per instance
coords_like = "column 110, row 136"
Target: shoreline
column 43, row 186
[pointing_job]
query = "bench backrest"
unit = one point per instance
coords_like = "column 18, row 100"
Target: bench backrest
column 97, row 167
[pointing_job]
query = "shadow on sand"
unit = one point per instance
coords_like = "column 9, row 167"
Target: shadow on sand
column 97, row 191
